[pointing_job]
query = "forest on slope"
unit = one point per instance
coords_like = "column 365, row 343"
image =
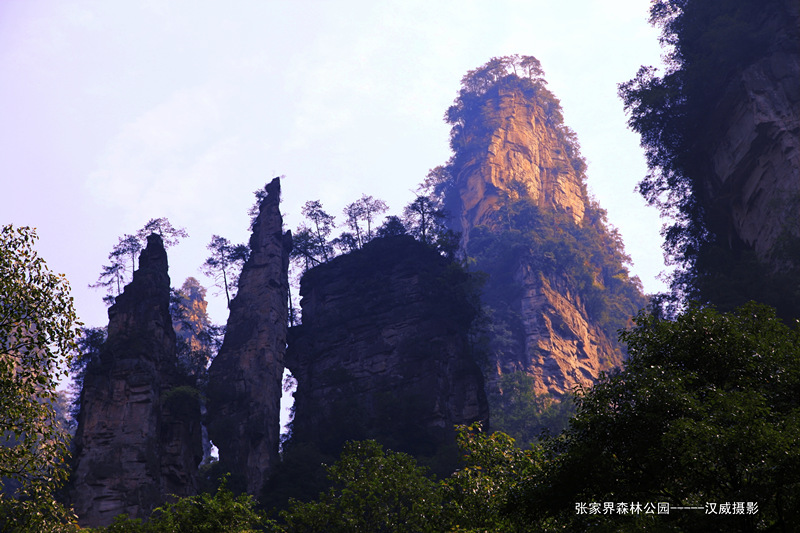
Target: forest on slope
column 704, row 413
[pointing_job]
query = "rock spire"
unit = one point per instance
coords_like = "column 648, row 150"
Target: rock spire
column 516, row 188
column 245, row 379
column 139, row 436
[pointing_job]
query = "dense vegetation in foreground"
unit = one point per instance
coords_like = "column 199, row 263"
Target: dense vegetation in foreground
column 705, row 413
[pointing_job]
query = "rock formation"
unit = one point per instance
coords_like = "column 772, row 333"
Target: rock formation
column 753, row 143
column 563, row 348
column 383, row 351
column 516, row 184
column 138, row 438
column 524, row 156
column 244, row 389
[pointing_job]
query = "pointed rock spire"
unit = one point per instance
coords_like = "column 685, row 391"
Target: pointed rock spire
column 138, row 439
column 245, row 379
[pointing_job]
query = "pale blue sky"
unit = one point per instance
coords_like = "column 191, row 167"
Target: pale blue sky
column 115, row 112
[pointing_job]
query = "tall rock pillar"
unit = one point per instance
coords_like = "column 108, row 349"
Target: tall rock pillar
column 138, row 439
column 245, row 378
column 558, row 288
column 383, row 353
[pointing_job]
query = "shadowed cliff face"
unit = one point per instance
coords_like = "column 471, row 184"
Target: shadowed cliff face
column 753, row 186
column 515, row 163
column 383, row 351
column 138, row 439
column 244, row 388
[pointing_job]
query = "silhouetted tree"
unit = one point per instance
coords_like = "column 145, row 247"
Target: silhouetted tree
column 225, row 264
column 162, row 226
column 425, row 219
column 322, row 225
column 304, row 249
column 127, row 249
column 353, row 214
column 364, row 210
column 392, row 225
column 86, row 353
column 371, row 207
column 346, row 242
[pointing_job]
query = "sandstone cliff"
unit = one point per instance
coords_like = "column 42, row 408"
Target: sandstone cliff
column 517, row 189
column 563, row 347
column 138, row 439
column 383, row 352
column 244, row 388
column 523, row 156
column 753, row 144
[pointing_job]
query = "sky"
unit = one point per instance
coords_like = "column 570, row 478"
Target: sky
column 113, row 113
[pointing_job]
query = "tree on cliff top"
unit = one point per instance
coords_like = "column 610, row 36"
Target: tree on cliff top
column 225, row 264
column 481, row 79
column 38, row 328
column 473, row 117
column 364, row 210
column 112, row 276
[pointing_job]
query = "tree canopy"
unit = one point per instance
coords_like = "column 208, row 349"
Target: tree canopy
column 38, row 327
column 372, row 490
column 224, row 265
column 706, row 411
column 707, row 43
column 112, row 276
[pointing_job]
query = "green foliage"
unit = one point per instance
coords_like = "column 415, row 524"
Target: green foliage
column 706, row 410
column 477, row 495
column 588, row 258
column 221, row 513
column 708, row 44
column 225, row 264
column 372, row 491
column 38, row 328
column 517, row 410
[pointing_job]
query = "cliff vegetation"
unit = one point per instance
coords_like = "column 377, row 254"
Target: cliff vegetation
column 720, row 130
column 696, row 408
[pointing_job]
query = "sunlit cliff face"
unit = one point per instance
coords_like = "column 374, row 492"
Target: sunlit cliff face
column 524, row 157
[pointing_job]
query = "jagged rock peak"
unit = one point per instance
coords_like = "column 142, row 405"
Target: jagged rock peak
column 509, row 142
column 245, row 379
column 516, row 187
column 138, row 440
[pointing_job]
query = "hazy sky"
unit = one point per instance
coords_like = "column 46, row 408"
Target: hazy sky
column 115, row 112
